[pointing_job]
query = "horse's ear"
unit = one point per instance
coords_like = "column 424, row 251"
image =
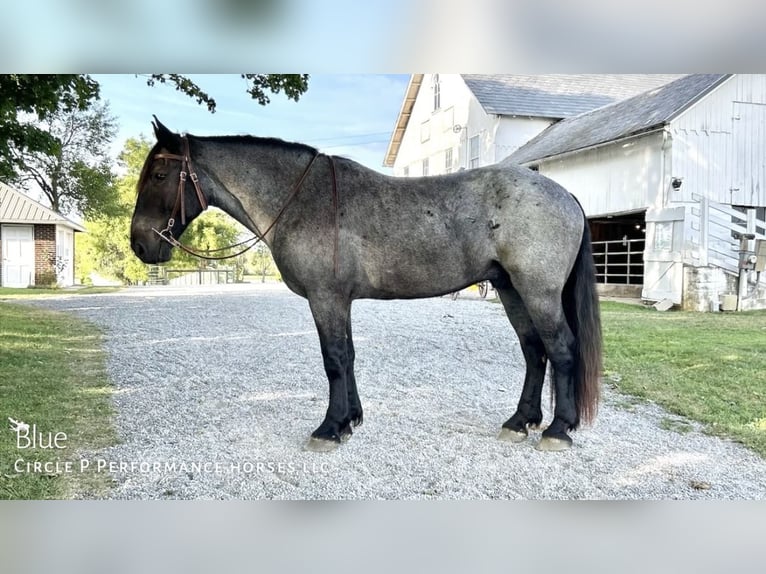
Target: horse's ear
column 165, row 137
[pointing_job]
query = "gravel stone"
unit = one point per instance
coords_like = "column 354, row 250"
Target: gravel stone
column 233, row 375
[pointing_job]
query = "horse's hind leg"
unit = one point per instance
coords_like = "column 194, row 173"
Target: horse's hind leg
column 355, row 413
column 331, row 314
column 547, row 314
column 529, row 411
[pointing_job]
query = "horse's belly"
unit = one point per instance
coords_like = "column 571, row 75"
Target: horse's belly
column 403, row 276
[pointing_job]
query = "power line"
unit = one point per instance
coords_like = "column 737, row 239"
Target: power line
column 351, row 136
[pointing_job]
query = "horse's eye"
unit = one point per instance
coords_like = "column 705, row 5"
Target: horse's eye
column 159, row 176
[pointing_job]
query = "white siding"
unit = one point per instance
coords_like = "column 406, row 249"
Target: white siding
column 454, row 110
column 718, row 156
column 617, row 178
column 514, row 132
column 430, row 132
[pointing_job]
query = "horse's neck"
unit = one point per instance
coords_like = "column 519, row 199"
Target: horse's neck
column 253, row 183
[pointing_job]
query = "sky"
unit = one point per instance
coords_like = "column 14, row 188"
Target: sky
column 347, row 115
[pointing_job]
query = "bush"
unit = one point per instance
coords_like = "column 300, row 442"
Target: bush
column 46, row 280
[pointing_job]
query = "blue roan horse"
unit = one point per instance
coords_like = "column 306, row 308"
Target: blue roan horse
column 339, row 231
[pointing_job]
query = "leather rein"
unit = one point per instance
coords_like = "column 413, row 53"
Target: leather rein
column 188, row 171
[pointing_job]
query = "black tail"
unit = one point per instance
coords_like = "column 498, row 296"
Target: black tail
column 581, row 306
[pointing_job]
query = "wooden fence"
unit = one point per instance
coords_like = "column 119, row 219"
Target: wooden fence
column 715, row 230
column 159, row 275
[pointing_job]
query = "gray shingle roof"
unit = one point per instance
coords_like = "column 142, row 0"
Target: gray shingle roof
column 557, row 95
column 640, row 113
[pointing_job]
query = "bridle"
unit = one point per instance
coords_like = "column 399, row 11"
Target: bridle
column 180, row 206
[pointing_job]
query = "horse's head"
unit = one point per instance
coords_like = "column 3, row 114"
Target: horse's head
column 168, row 199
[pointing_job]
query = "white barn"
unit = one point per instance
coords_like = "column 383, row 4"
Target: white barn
column 36, row 243
column 669, row 168
column 453, row 121
column 670, row 177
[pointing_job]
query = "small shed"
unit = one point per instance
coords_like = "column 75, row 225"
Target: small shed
column 36, row 243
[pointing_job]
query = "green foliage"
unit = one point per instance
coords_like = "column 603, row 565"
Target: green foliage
column 77, row 175
column 28, row 97
column 105, row 248
column 46, row 280
column 294, row 86
column 261, row 261
column 211, row 231
column 29, row 100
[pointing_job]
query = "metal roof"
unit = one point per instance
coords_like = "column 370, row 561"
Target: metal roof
column 15, row 207
column 557, row 95
column 644, row 112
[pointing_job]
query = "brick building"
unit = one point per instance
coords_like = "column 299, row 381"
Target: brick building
column 36, row 243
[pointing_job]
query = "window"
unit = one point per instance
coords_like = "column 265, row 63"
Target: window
column 473, row 152
column 448, row 119
column 406, row 172
column 425, row 166
column 448, row 160
column 437, row 92
column 425, row 131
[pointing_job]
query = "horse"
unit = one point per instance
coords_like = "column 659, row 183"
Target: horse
column 339, row 231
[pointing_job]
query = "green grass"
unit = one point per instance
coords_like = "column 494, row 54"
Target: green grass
column 23, row 292
column 53, row 375
column 710, row 367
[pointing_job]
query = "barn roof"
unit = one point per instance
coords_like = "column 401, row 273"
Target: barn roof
column 641, row 113
column 553, row 96
column 15, row 207
column 557, row 95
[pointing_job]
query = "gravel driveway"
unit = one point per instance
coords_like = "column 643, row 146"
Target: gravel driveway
column 218, row 388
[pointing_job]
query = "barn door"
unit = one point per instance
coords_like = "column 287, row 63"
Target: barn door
column 64, row 259
column 748, row 162
column 18, row 249
column 663, row 262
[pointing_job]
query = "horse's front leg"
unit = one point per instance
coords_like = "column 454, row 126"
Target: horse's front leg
column 331, row 314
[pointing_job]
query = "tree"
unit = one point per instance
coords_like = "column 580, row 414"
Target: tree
column 30, row 98
column 77, row 174
column 27, row 100
column 262, row 261
column 294, row 86
column 213, row 230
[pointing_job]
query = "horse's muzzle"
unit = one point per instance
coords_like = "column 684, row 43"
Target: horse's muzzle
column 151, row 252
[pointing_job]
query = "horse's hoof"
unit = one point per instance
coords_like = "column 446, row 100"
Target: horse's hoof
column 534, row 426
column 510, row 435
column 551, row 444
column 321, row 445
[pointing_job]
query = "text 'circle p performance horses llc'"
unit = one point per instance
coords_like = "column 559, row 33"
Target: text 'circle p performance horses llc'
column 339, row 231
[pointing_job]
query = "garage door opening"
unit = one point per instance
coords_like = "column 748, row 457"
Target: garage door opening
column 618, row 248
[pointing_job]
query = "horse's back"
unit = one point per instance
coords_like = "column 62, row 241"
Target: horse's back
column 428, row 235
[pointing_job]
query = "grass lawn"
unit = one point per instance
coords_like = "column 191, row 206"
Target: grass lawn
column 24, row 292
column 710, row 367
column 52, row 374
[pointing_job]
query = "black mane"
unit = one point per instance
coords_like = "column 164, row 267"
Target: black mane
column 270, row 142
